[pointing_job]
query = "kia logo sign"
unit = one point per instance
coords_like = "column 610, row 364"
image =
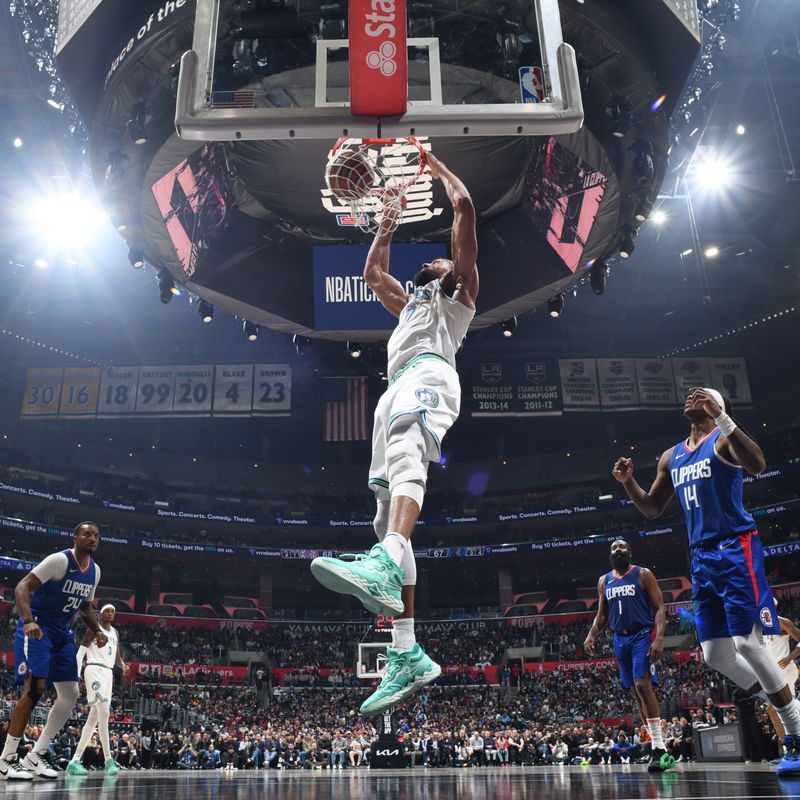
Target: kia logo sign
column 387, row 752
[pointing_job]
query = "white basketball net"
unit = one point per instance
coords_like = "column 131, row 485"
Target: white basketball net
column 372, row 177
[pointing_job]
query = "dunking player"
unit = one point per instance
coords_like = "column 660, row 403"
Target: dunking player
column 630, row 598
column 733, row 603
column 98, row 677
column 415, row 412
column 48, row 597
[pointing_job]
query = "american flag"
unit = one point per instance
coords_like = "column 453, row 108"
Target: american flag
column 242, row 98
column 345, row 412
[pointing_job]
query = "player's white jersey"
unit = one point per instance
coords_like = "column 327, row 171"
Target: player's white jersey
column 431, row 322
column 106, row 655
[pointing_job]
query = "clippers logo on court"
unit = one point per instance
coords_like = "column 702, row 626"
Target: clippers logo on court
column 391, row 161
column 428, row 397
column 766, row 617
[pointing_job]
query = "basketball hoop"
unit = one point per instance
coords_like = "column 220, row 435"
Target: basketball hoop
column 372, row 176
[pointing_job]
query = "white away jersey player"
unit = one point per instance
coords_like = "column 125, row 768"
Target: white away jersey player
column 431, row 322
column 422, row 374
column 98, row 674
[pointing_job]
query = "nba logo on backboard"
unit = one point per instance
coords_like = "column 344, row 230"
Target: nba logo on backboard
column 492, row 373
column 350, row 220
column 531, row 84
column 535, row 371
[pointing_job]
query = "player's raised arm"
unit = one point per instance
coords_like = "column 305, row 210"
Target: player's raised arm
column 652, row 503
column 649, row 583
column 464, row 240
column 600, row 619
column 736, row 446
column 387, row 289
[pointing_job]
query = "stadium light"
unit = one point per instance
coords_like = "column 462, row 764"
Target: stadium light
column 355, row 349
column 509, row 327
column 251, row 330
column 205, row 310
column 555, row 306
column 70, row 221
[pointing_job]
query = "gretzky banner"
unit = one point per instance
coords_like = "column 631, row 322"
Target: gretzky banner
column 515, row 388
column 618, row 389
column 579, row 384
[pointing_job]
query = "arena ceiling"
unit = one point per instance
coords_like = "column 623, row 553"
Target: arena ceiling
column 112, row 312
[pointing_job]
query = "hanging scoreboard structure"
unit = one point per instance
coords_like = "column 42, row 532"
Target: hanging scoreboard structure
column 199, row 390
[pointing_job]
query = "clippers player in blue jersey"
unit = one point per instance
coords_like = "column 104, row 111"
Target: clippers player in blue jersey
column 631, row 603
column 48, row 598
column 733, row 603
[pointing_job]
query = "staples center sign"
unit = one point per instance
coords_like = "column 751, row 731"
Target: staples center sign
column 378, row 42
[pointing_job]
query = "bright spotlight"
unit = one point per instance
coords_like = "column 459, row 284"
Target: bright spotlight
column 555, row 306
column 711, row 252
column 17, row 142
column 40, row 263
column 741, row 130
column 659, row 217
column 71, row 221
column 712, row 174
column 355, row 349
column 205, row 310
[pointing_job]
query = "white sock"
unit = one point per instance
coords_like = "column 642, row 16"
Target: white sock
column 395, row 544
column 66, row 695
column 86, row 733
column 11, row 745
column 790, row 716
column 654, row 729
column 404, row 638
column 102, row 725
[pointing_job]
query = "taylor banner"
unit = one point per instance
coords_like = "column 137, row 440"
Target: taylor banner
column 515, row 388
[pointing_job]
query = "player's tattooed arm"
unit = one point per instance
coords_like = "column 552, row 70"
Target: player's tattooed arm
column 741, row 449
column 600, row 619
column 649, row 583
column 463, row 239
column 652, row 503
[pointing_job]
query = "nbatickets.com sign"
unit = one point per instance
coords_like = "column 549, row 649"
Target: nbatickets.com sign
column 393, row 162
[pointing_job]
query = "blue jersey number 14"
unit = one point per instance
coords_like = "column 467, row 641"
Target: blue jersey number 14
column 690, row 497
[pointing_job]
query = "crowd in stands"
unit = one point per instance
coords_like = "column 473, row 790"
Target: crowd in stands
column 549, row 721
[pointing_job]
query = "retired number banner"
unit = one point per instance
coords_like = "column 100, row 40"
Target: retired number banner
column 515, row 388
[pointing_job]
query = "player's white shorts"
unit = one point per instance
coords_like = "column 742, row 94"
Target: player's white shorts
column 791, row 677
column 99, row 684
column 427, row 388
